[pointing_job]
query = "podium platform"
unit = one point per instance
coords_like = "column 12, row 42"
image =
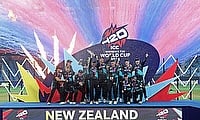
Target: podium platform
column 174, row 110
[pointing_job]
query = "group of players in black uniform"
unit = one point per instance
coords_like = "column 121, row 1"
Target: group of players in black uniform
column 100, row 80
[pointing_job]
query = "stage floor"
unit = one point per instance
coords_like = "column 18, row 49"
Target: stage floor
column 30, row 105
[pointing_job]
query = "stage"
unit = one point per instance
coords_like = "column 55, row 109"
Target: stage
column 185, row 110
column 30, row 105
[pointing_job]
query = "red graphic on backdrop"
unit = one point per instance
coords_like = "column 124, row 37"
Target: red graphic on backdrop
column 164, row 94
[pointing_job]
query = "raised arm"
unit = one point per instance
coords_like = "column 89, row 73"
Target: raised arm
column 145, row 59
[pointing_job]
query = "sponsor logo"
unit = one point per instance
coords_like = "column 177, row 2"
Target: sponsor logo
column 22, row 114
column 162, row 114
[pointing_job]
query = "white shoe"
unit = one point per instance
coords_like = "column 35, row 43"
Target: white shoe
column 91, row 102
column 140, row 102
column 62, row 103
column 73, row 103
column 104, row 100
column 110, row 102
column 70, row 102
column 96, row 102
column 128, row 103
column 120, row 100
column 48, row 103
column 82, row 103
column 115, row 102
column 99, row 100
column 146, row 99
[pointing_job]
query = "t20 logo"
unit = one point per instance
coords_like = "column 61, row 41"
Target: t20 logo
column 114, row 34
